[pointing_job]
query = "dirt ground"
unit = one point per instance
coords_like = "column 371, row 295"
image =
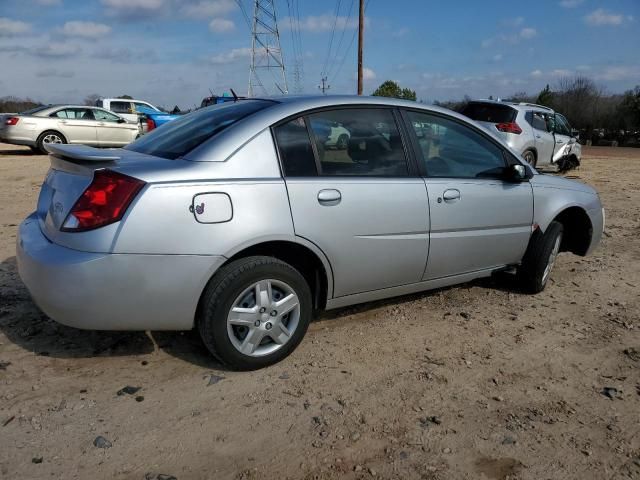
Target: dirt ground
column 471, row 382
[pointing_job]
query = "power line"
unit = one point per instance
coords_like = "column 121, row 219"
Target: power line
column 353, row 38
column 333, row 31
column 344, row 30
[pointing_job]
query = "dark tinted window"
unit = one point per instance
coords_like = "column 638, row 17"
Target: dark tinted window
column 358, row 142
column 296, row 152
column 178, row 137
column 451, row 149
column 35, row 110
column 489, row 112
column 562, row 126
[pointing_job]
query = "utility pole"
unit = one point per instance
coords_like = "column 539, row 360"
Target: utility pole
column 324, row 86
column 266, row 54
column 360, row 46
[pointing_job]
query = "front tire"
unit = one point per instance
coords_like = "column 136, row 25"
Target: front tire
column 254, row 312
column 540, row 258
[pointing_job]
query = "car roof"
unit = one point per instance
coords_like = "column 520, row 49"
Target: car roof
column 52, row 108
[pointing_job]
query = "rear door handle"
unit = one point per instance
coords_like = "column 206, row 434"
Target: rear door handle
column 329, row 197
column 451, row 195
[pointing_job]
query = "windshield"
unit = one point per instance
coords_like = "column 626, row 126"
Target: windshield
column 178, row 137
column 489, row 112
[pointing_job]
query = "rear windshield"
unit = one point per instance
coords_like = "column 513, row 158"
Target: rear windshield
column 35, row 110
column 490, row 112
column 178, row 137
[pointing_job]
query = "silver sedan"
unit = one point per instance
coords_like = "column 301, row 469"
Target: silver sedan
column 240, row 221
column 67, row 124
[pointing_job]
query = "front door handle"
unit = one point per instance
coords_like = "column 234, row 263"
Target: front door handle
column 559, row 141
column 329, row 197
column 451, row 195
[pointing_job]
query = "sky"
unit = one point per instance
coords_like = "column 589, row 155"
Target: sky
column 173, row 52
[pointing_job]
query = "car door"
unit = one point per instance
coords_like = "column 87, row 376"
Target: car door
column 562, row 135
column 479, row 220
column 543, row 138
column 362, row 205
column 113, row 131
column 77, row 124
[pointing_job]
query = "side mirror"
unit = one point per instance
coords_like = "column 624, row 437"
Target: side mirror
column 121, row 120
column 517, row 173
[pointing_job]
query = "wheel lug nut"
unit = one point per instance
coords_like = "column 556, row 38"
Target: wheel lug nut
column 257, row 323
column 274, row 313
column 262, row 310
column 268, row 326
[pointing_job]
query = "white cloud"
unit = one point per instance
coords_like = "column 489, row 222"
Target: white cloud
column 221, row 25
column 133, row 8
column 210, row 8
column 52, row 72
column 322, row 23
column 368, row 74
column 497, row 57
column 536, row 73
column 617, row 73
column 230, row 56
column 570, row 3
column 85, row 29
column 528, row 33
column 57, row 49
column 10, row 28
column 513, row 22
column 602, row 17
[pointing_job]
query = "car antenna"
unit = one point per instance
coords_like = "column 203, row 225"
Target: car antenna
column 235, row 96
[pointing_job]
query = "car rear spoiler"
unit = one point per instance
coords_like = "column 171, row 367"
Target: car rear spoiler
column 80, row 153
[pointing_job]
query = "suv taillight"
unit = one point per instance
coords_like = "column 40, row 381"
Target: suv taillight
column 511, row 127
column 11, row 121
column 103, row 202
column 150, row 124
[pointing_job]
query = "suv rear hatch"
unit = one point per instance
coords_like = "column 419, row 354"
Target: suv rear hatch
column 490, row 114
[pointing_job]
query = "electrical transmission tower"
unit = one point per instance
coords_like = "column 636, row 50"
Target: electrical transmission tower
column 266, row 54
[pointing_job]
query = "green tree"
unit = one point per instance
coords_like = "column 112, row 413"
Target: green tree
column 393, row 90
column 545, row 97
column 630, row 107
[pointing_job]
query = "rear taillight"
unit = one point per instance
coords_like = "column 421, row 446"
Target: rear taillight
column 511, row 127
column 150, row 124
column 11, row 121
column 104, row 201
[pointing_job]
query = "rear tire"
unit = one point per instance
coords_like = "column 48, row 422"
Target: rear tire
column 50, row 136
column 540, row 258
column 530, row 157
column 238, row 317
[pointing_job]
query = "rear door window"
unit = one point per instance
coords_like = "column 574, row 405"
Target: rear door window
column 490, row 112
column 537, row 120
column 296, row 151
column 74, row 114
column 358, row 141
column 178, row 137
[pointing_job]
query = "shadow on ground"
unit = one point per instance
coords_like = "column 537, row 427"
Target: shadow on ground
column 26, row 152
column 22, row 322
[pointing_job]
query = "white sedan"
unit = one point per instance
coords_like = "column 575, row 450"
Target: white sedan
column 67, row 124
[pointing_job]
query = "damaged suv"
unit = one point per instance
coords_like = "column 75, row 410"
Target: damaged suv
column 542, row 136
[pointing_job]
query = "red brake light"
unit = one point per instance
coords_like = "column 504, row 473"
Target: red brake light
column 150, row 124
column 103, row 202
column 11, row 121
column 511, row 127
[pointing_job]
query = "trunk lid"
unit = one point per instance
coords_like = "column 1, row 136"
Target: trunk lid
column 71, row 172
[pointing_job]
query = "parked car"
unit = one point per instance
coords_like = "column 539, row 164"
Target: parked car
column 67, row 124
column 542, row 136
column 138, row 112
column 232, row 221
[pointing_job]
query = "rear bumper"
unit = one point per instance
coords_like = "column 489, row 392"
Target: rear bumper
column 102, row 291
